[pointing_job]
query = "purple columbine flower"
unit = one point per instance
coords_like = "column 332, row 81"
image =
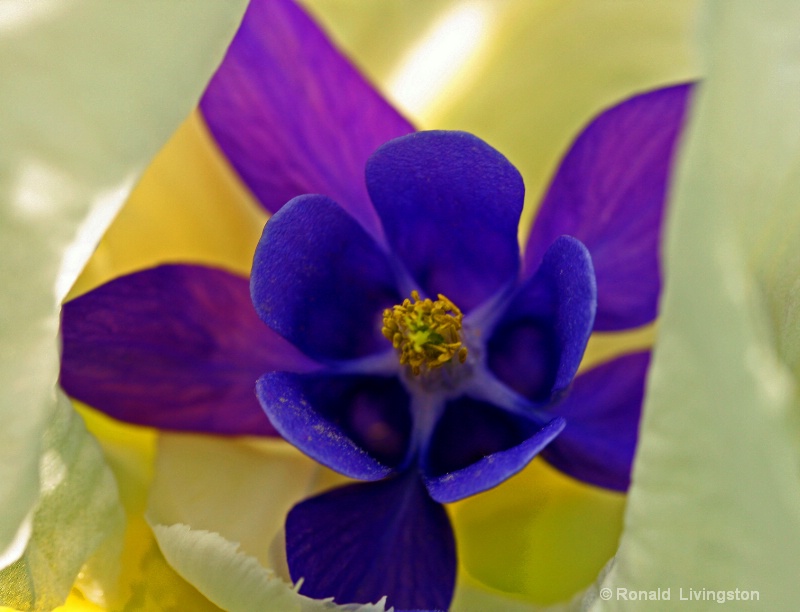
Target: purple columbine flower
column 428, row 401
column 436, row 398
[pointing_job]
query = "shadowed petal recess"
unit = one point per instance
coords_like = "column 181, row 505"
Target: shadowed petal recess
column 477, row 446
column 176, row 347
column 538, row 345
column 450, row 206
column 609, row 193
column 394, row 537
column 321, row 281
column 286, row 100
column 602, row 412
column 357, row 425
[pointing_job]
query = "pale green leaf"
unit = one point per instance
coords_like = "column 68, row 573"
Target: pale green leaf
column 91, row 90
column 78, row 511
column 715, row 502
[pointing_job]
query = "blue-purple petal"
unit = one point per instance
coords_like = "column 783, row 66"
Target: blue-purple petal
column 602, row 413
column 320, row 281
column 176, row 347
column 609, row 192
column 538, row 344
column 363, row 541
column 358, row 426
column 450, row 206
column 293, row 115
column 476, row 446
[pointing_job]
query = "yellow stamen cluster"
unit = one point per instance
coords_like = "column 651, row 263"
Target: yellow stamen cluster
column 426, row 333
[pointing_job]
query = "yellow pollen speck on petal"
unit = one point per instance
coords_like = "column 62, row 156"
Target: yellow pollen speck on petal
column 425, row 333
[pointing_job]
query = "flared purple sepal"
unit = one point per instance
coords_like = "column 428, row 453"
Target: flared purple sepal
column 293, row 115
column 609, row 193
column 364, row 541
column 176, row 347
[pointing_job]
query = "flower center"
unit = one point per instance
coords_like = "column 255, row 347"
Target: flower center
column 426, row 333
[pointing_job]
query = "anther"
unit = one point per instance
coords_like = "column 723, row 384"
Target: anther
column 425, row 333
